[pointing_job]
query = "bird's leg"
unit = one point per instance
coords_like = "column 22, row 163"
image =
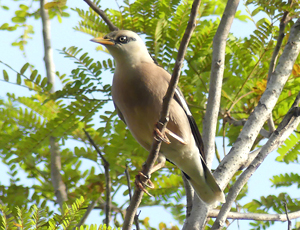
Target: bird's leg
column 142, row 180
column 158, row 166
column 159, row 136
column 178, row 138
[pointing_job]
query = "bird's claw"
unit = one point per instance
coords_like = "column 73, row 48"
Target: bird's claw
column 159, row 136
column 142, row 180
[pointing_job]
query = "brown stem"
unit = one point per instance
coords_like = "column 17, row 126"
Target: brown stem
column 136, row 218
column 107, row 179
column 102, row 14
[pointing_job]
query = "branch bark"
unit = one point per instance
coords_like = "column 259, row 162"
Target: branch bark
column 285, row 128
column 136, row 217
column 256, row 216
column 238, row 154
column 107, row 179
column 280, row 37
column 56, row 178
column 102, row 14
column 137, row 197
column 216, row 79
column 189, row 191
column 287, row 217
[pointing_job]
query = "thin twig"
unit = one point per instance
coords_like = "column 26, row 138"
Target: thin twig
column 287, row 217
column 107, row 179
column 137, row 197
column 256, row 216
column 232, row 121
column 88, row 211
column 128, row 182
column 236, row 101
column 102, row 14
column 136, row 218
column 248, row 77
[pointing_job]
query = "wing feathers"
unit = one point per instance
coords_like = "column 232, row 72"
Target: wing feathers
column 195, row 131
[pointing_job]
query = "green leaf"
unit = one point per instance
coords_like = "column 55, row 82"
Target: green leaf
column 4, row 26
column 5, row 8
column 262, row 21
column 59, row 18
column 24, row 68
column 33, row 74
column 5, row 75
column 18, row 19
column 44, row 82
column 24, row 7
column 19, row 80
column 38, row 79
column 256, row 11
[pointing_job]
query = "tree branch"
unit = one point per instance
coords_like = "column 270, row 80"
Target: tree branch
column 242, row 122
column 196, row 221
column 238, row 154
column 287, row 217
column 107, row 179
column 136, row 218
column 256, row 216
column 102, row 14
column 216, row 79
column 56, row 178
column 102, row 206
column 251, row 157
column 189, row 191
column 137, row 197
column 280, row 37
column 88, row 211
column 283, row 131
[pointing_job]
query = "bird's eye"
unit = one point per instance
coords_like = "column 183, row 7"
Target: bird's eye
column 122, row 39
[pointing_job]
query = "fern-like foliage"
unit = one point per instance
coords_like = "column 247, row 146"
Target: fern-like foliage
column 39, row 219
column 286, row 180
column 271, row 203
column 290, row 150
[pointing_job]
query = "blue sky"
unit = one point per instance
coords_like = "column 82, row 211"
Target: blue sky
column 63, row 35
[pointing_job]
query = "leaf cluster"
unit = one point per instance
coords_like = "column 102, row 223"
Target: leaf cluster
column 21, row 21
column 40, row 218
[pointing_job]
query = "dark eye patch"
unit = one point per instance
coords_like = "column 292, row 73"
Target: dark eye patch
column 124, row 39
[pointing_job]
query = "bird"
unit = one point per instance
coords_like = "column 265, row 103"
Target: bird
column 138, row 88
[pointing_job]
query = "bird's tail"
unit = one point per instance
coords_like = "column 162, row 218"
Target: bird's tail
column 210, row 192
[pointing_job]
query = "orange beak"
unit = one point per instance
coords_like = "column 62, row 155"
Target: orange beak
column 103, row 41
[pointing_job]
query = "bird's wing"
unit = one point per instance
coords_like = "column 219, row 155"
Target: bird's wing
column 120, row 114
column 195, row 131
column 210, row 180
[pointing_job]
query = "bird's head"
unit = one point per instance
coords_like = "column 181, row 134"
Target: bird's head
column 125, row 46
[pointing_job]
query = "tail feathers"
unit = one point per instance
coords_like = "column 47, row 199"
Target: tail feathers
column 211, row 181
column 208, row 191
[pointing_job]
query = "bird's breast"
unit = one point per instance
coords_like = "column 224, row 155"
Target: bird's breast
column 139, row 104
